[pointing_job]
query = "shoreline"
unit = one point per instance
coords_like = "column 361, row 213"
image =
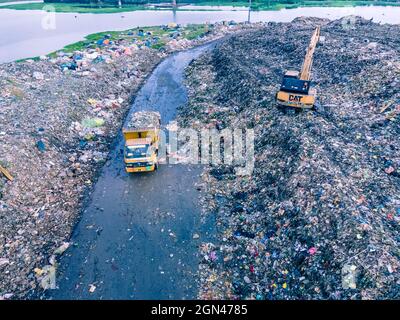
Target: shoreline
column 210, row 6
column 71, row 28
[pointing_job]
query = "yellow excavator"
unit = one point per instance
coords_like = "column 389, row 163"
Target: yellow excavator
column 295, row 90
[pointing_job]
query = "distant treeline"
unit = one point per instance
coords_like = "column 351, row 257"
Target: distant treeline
column 226, row 2
column 139, row 2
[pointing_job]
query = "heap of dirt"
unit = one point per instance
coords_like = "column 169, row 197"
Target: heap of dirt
column 319, row 217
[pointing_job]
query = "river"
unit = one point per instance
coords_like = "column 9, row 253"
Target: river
column 34, row 34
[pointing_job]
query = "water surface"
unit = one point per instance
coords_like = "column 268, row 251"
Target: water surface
column 22, row 34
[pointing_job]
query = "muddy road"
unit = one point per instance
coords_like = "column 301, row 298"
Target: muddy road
column 135, row 236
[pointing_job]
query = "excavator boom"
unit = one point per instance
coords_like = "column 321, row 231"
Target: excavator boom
column 305, row 73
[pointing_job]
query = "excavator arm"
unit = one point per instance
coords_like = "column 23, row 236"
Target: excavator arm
column 305, row 73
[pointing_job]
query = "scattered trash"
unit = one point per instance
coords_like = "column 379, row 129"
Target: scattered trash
column 6, row 296
column 312, row 250
column 41, row 146
column 246, row 279
column 93, row 122
column 92, row 288
column 46, row 277
column 4, row 261
column 144, row 119
column 6, row 173
column 317, row 218
column 60, row 250
column 68, row 66
column 349, row 274
column 213, row 256
column 38, row 75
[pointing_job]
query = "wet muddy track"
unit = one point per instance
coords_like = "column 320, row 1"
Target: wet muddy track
column 135, row 236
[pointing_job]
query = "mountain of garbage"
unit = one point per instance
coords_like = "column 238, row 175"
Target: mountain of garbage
column 319, row 218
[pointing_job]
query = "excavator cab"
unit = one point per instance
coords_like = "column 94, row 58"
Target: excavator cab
column 296, row 93
column 292, row 83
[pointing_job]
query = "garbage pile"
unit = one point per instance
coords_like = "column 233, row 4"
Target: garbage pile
column 143, row 119
column 58, row 117
column 55, row 133
column 319, row 217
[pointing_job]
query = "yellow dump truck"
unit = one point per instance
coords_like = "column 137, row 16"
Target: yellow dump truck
column 142, row 136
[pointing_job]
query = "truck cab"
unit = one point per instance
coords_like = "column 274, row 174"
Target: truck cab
column 140, row 155
column 142, row 142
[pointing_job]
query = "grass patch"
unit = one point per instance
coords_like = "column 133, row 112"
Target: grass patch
column 76, row 7
column 194, row 31
column 189, row 32
column 291, row 4
column 3, row 1
column 32, row 58
column 325, row 3
column 158, row 46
